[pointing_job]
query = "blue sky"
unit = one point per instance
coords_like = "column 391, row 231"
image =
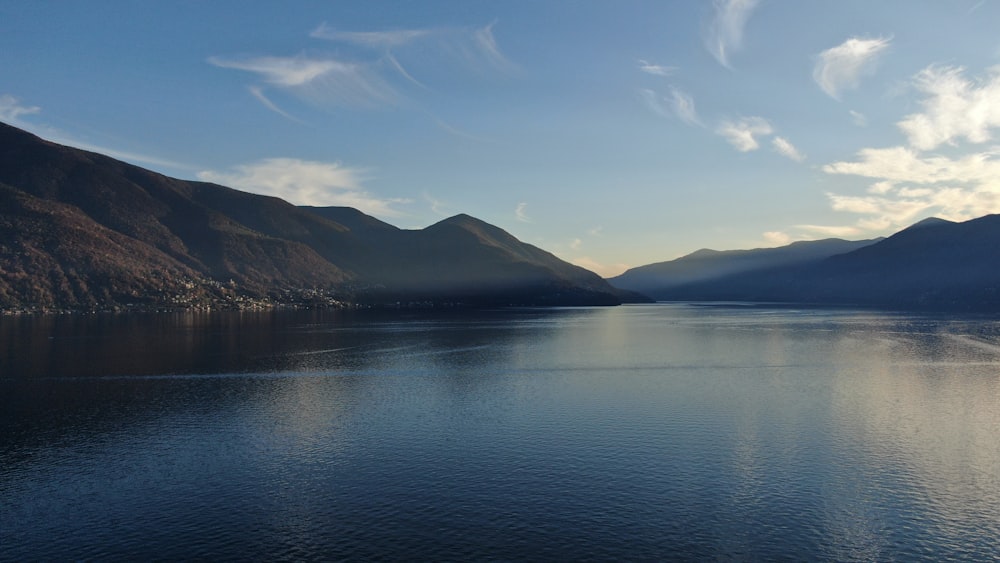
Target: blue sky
column 613, row 134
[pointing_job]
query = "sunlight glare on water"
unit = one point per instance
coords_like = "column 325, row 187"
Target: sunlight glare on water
column 637, row 432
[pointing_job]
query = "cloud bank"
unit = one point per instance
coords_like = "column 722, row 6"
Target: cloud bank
column 907, row 182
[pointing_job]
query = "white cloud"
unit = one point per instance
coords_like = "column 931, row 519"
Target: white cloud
column 725, row 32
column 783, row 147
column 521, row 212
column 902, row 164
column 284, row 71
column 256, row 92
column 486, row 48
column 317, row 79
column 304, row 182
column 678, row 104
column 476, row 47
column 683, row 106
column 841, row 67
column 908, row 181
column 372, row 39
column 881, row 188
column 831, row 231
column 655, row 69
column 11, row 108
column 956, row 189
column 777, row 238
column 954, row 108
column 859, row 118
column 741, row 134
column 576, row 243
column 377, row 77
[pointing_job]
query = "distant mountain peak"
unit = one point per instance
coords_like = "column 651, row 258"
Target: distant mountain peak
column 929, row 222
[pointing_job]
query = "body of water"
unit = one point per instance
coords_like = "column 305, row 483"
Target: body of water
column 636, row 432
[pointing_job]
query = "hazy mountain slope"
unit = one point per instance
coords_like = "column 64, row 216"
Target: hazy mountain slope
column 82, row 230
column 462, row 255
column 932, row 265
column 656, row 279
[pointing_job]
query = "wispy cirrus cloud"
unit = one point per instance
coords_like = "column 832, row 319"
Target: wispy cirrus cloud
column 437, row 206
column 258, row 93
column 725, row 31
column 840, row 68
column 785, row 148
column 285, row 71
column 655, row 69
column 381, row 40
column 743, row 133
column 683, row 106
column 654, row 102
column 474, row 47
column 678, row 104
column 11, row 108
column 907, row 182
column 321, row 80
column 304, row 182
column 521, row 212
column 371, row 68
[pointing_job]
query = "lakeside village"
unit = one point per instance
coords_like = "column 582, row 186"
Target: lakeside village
column 206, row 295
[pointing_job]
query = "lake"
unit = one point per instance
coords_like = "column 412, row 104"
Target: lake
column 668, row 431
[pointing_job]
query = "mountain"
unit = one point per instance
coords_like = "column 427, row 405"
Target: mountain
column 932, row 265
column 657, row 280
column 80, row 230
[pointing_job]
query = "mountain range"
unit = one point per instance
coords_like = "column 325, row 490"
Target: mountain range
column 83, row 231
column 932, row 265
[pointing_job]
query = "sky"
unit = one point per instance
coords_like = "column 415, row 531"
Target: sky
column 613, row 134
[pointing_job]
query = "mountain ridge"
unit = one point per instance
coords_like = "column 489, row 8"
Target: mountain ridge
column 705, row 264
column 934, row 264
column 83, row 231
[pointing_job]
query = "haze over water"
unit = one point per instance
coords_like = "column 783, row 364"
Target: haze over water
column 636, row 432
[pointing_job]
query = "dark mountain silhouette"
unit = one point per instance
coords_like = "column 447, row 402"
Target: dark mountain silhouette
column 657, row 280
column 81, row 230
column 932, row 265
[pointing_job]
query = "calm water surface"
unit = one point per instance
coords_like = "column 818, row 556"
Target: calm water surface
column 637, row 432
